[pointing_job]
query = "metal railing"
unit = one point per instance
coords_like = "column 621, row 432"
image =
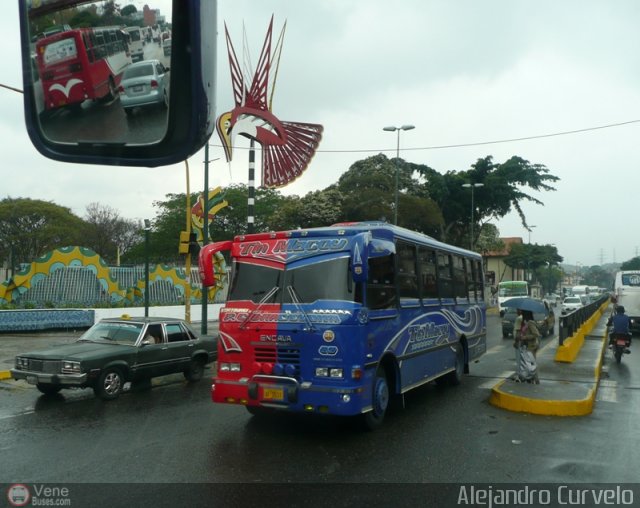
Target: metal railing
column 571, row 322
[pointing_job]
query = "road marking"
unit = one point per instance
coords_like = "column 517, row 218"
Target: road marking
column 487, row 385
column 607, row 391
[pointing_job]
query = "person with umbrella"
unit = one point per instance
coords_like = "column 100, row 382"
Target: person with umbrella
column 527, row 338
column 530, row 342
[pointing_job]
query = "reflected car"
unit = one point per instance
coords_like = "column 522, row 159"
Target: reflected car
column 571, row 303
column 166, row 47
column 117, row 351
column 545, row 321
column 144, row 84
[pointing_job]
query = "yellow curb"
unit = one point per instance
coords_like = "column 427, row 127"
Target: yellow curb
column 520, row 404
column 5, row 374
column 568, row 351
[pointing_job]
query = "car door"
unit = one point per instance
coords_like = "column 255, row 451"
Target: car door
column 154, row 356
column 181, row 343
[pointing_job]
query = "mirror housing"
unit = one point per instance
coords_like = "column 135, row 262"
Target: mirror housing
column 191, row 112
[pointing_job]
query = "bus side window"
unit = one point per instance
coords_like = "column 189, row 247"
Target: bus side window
column 459, row 281
column 407, row 274
column 479, row 280
column 381, row 290
column 445, row 281
column 471, row 281
column 427, row 263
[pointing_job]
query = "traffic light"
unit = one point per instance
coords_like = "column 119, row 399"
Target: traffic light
column 187, row 242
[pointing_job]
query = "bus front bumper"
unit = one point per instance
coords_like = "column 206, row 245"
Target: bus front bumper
column 288, row 394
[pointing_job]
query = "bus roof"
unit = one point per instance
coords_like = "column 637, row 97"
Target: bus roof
column 377, row 228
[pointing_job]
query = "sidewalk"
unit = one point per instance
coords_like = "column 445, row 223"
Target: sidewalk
column 565, row 389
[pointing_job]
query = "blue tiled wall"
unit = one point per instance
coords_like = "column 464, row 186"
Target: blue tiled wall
column 45, row 319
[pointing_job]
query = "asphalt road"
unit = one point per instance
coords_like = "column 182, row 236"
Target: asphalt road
column 172, row 432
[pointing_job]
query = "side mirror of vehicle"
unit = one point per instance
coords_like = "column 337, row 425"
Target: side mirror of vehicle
column 73, row 82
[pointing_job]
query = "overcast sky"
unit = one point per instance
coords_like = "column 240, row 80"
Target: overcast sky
column 462, row 72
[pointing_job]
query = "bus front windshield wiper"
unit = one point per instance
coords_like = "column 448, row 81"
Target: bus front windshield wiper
column 296, row 300
column 264, row 299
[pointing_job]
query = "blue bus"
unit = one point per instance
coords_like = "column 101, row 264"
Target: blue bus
column 342, row 319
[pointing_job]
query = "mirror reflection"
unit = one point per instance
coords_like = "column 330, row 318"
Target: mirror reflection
column 100, row 70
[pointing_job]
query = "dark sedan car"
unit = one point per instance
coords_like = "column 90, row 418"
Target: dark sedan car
column 544, row 320
column 115, row 351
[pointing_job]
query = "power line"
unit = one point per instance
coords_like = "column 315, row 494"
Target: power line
column 477, row 143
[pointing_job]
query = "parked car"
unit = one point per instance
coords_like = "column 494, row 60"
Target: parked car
column 115, row 351
column 571, row 303
column 545, row 321
column 144, row 83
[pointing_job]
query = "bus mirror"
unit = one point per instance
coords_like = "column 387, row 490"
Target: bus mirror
column 358, row 257
column 97, row 89
column 207, row 261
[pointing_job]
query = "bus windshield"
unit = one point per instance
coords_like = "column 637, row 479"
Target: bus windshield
column 513, row 290
column 327, row 280
column 59, row 51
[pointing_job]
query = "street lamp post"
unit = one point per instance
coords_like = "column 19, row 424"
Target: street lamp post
column 530, row 228
column 472, row 186
column 147, row 228
column 397, row 129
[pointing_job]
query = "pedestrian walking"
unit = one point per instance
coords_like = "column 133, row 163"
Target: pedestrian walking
column 529, row 342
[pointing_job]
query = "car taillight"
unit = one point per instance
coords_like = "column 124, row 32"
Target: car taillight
column 120, row 89
column 154, row 83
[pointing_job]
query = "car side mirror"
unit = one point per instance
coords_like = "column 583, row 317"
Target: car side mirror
column 72, row 76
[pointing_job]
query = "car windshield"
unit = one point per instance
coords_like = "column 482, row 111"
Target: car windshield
column 573, row 299
column 137, row 71
column 121, row 333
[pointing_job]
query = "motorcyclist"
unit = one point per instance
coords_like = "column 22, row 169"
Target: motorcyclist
column 621, row 324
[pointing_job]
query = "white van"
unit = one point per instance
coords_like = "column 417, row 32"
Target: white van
column 627, row 293
column 136, row 43
column 580, row 290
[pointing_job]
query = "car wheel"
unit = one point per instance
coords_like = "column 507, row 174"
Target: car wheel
column 48, row 388
column 380, row 401
column 195, row 370
column 109, row 384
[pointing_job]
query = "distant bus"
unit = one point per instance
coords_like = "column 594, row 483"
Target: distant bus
column 627, row 292
column 136, row 43
column 340, row 320
column 511, row 289
column 81, row 64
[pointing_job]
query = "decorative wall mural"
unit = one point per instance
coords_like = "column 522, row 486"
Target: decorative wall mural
column 13, row 289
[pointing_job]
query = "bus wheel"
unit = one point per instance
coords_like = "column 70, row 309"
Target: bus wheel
column 455, row 377
column 113, row 91
column 380, row 401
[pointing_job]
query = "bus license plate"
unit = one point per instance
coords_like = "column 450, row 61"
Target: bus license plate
column 272, row 394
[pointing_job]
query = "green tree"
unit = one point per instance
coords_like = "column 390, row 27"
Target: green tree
column 631, row 264
column 533, row 258
column 502, row 190
column 368, row 190
column 489, row 239
column 30, row 228
column 598, row 276
column 107, row 233
column 128, row 10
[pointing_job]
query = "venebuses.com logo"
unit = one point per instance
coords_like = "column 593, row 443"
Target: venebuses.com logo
column 18, row 495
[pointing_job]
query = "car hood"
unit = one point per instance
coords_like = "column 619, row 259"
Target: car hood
column 79, row 350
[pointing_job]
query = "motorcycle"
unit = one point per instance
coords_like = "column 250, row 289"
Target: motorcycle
column 620, row 343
